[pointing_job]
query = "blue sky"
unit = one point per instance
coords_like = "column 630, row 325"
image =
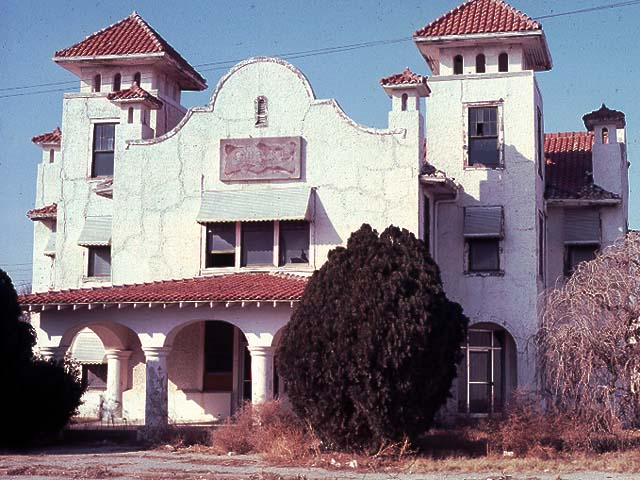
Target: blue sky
column 595, row 60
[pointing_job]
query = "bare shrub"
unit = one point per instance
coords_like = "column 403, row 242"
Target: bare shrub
column 589, row 343
column 270, row 429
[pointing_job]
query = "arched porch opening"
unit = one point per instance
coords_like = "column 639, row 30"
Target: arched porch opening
column 107, row 354
column 487, row 374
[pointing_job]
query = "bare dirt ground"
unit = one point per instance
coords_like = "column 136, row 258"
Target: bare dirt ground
column 108, row 460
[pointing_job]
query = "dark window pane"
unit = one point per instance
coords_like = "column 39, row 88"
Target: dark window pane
column 483, row 136
column 497, row 381
column 458, row 65
column 99, row 261
column 479, row 370
column 221, row 240
column 484, row 151
column 462, row 383
column 103, row 148
column 503, row 62
column 103, row 164
column 484, row 254
column 576, row 254
column 94, row 376
column 479, row 339
column 479, row 398
column 480, row 63
column 294, row 242
column 246, row 375
column 257, row 243
column 218, row 356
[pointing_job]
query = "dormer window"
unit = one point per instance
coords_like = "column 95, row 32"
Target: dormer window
column 605, row 135
column 403, row 106
column 97, row 83
column 261, row 111
column 136, row 78
column 480, row 63
column 503, row 62
column 458, row 64
column 117, row 81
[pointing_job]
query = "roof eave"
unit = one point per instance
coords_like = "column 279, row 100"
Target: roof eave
column 581, row 202
column 38, row 306
column 422, row 89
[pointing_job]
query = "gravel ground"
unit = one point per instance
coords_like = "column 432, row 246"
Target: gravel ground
column 122, row 462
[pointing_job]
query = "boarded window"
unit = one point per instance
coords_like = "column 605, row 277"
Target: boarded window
column 581, row 226
column 458, row 65
column 503, row 62
column 257, row 243
column 294, row 242
column 483, row 137
column 483, row 222
column 103, row 149
column 480, row 63
column 221, row 245
column 218, row 356
column 99, row 261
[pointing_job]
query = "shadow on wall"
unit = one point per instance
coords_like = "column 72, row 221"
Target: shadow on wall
column 325, row 232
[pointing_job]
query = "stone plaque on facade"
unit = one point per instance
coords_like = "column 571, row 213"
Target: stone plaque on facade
column 273, row 158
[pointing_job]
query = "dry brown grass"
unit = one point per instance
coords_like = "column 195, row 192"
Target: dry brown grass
column 269, row 429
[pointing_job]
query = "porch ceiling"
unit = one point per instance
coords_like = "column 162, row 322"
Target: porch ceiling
column 237, row 287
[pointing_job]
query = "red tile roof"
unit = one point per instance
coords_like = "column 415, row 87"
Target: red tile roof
column 223, row 288
column 135, row 93
column 48, row 211
column 604, row 115
column 131, row 35
column 54, row 138
column 479, row 16
column 405, row 78
column 569, row 168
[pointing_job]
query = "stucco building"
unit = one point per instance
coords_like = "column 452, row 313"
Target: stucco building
column 170, row 246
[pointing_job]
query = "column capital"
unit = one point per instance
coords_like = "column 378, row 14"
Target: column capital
column 156, row 353
column 262, row 350
column 49, row 352
column 114, row 353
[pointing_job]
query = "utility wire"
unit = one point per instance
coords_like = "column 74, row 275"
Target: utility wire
column 224, row 64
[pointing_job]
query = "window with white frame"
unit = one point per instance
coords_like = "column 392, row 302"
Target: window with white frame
column 483, row 137
column 483, row 233
column 103, row 149
column 257, row 244
column 481, row 374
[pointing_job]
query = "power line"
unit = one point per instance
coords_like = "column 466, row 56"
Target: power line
column 225, row 64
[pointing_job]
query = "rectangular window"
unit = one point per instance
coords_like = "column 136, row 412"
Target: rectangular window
column 218, row 356
column 257, row 243
column 576, row 254
column 221, row 245
column 103, row 149
column 540, row 141
column 483, row 137
column 294, row 243
column 99, row 261
column 484, row 254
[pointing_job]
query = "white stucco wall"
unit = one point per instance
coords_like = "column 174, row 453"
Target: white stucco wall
column 508, row 299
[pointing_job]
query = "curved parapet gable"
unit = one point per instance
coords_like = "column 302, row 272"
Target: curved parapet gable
column 286, row 89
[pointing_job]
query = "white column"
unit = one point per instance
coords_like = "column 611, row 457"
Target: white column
column 56, row 353
column 117, row 363
column 261, row 373
column 156, row 409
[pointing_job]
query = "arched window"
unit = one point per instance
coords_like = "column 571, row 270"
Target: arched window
column 605, row 135
column 480, row 63
column 97, row 83
column 405, row 97
column 52, row 155
column 117, row 80
column 261, row 111
column 136, row 78
column 130, row 115
column 503, row 62
column 457, row 65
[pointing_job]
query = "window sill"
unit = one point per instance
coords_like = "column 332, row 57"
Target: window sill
column 101, row 178
column 483, row 167
column 495, row 273
column 306, row 268
column 99, row 279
